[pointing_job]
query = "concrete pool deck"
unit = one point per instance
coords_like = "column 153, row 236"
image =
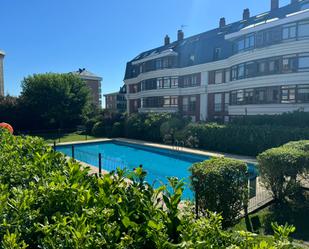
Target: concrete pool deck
column 169, row 147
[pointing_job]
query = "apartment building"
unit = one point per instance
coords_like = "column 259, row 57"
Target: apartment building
column 116, row 101
column 1, row 74
column 258, row 65
column 94, row 83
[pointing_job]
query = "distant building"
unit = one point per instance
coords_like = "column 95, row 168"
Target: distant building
column 116, row 101
column 1, row 74
column 94, row 83
column 257, row 65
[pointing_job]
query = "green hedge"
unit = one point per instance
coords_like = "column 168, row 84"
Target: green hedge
column 49, row 202
column 221, row 185
column 244, row 140
column 281, row 169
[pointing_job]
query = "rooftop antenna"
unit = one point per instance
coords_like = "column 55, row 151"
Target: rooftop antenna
column 183, row 26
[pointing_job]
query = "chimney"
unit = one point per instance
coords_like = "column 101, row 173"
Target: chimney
column 180, row 35
column 166, row 40
column 274, row 5
column 222, row 22
column 246, row 14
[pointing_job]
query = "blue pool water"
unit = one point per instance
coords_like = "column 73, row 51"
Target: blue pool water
column 159, row 163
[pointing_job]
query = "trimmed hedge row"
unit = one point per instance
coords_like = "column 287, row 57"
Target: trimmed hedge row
column 244, row 140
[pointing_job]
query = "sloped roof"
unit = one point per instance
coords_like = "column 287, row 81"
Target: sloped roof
column 202, row 45
column 83, row 73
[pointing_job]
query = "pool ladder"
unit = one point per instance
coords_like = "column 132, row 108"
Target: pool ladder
column 178, row 145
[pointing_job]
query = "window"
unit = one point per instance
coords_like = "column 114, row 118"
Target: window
column 289, row 64
column 218, row 77
column 241, row 71
column 227, row 75
column 288, row 94
column 174, row 82
column 289, row 31
column 233, row 97
column 303, row 29
column 165, row 63
column 240, row 45
column 259, row 96
column 167, row 101
column 189, row 104
column 248, row 96
column 217, row 53
column 250, row 69
column 159, row 82
column 141, row 68
column 226, row 101
column 234, row 73
column 191, row 80
column 262, row 66
column 218, row 102
column 250, row 41
column 158, row 64
column 303, row 94
column 273, row 66
column 166, row 83
column 174, row 101
column 303, row 63
column 240, row 96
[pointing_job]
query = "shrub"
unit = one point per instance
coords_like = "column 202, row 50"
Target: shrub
column 117, row 129
column 281, row 167
column 244, row 140
column 98, row 129
column 221, row 185
column 290, row 119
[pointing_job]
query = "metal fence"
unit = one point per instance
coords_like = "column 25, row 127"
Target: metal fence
column 99, row 160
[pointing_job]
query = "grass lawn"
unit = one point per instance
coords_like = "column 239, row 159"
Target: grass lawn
column 293, row 214
column 64, row 137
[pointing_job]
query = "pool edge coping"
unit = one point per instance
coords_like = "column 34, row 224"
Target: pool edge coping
column 199, row 152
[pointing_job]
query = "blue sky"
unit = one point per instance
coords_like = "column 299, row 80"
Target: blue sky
column 41, row 36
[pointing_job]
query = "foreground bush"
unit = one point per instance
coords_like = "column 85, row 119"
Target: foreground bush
column 281, row 169
column 221, row 185
column 244, row 140
column 49, row 202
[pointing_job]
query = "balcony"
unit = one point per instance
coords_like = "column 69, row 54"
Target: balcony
column 170, row 109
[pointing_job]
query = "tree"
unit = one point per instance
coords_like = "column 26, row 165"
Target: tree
column 54, row 100
column 221, row 185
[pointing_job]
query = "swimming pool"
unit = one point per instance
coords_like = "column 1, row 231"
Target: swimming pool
column 158, row 163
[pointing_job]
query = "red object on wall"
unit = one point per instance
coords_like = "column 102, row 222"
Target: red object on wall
column 7, row 126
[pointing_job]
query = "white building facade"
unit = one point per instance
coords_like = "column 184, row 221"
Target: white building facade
column 259, row 65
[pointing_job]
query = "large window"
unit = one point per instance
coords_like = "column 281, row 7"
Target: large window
column 288, row 94
column 170, row 101
column 303, row 29
column 219, row 77
column 226, row 101
column 303, row 94
column 189, row 104
column 174, row 82
column 303, row 63
column 289, row 31
column 191, row 80
column 218, row 102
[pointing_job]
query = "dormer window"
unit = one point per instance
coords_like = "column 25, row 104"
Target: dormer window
column 217, row 54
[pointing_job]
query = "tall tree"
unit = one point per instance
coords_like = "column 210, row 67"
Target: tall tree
column 54, row 100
